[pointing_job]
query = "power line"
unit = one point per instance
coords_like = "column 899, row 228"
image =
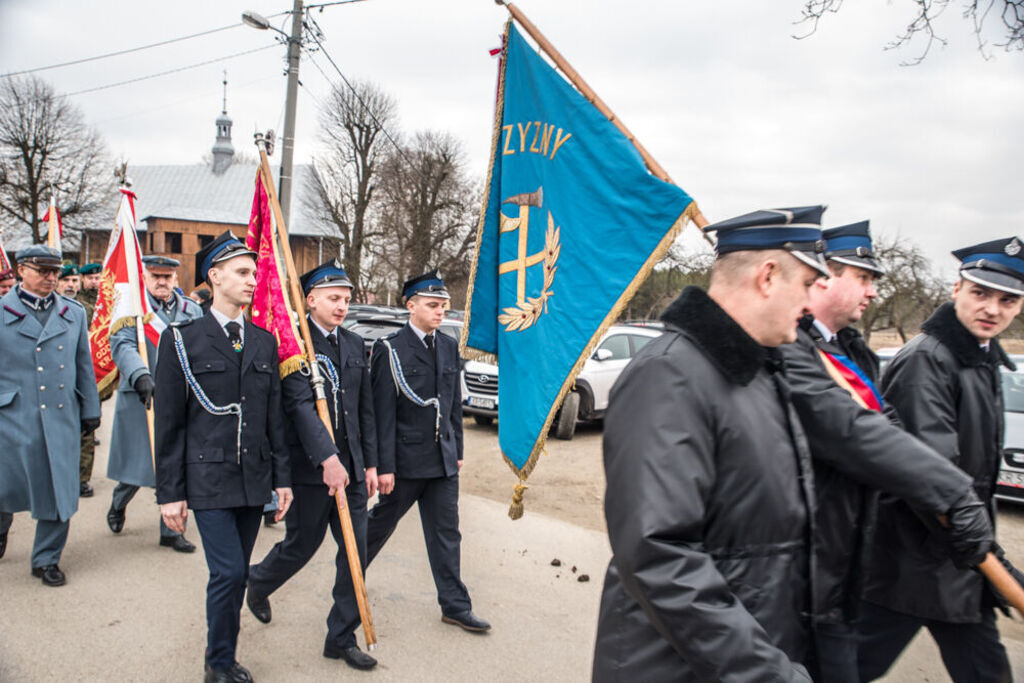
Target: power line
column 119, row 52
column 366, row 107
column 170, row 71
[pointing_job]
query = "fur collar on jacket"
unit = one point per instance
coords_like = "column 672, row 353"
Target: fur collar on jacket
column 719, row 337
column 947, row 328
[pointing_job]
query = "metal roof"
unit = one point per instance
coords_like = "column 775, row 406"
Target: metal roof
column 194, row 192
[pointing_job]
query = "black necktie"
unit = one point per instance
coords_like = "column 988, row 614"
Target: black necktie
column 429, row 339
column 333, row 339
column 234, row 335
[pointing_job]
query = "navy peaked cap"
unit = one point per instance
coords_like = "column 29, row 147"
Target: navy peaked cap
column 796, row 229
column 998, row 264
column 851, row 244
column 225, row 247
column 428, row 284
column 329, row 274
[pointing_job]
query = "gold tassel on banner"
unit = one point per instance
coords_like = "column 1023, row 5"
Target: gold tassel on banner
column 516, row 510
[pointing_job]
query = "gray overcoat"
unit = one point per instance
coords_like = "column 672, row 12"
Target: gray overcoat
column 129, row 461
column 47, row 386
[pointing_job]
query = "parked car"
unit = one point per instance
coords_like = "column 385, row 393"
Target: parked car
column 588, row 401
column 373, row 328
column 1010, row 484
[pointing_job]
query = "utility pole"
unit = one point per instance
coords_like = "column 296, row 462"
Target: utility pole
column 291, row 100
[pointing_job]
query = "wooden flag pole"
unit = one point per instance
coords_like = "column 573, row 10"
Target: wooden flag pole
column 132, row 258
column 653, row 166
column 299, row 305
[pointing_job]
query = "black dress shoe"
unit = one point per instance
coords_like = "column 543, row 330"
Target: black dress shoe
column 84, row 490
column 115, row 519
column 217, row 676
column 353, row 656
column 259, row 605
column 468, row 621
column 236, row 674
column 179, row 543
column 268, row 518
column 3, row 544
column 50, row 574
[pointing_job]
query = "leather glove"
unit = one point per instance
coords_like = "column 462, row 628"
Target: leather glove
column 144, row 388
column 970, row 532
column 89, row 425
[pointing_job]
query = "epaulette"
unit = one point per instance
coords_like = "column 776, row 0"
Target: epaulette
column 74, row 301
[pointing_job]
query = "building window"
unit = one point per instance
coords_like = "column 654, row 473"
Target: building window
column 172, row 242
column 204, row 240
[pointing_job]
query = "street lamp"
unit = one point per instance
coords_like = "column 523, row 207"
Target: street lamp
column 258, row 21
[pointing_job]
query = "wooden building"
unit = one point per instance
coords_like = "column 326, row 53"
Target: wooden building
column 180, row 208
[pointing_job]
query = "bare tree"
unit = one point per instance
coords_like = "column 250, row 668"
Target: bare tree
column 353, row 124
column 428, row 210
column 978, row 12
column 907, row 294
column 45, row 143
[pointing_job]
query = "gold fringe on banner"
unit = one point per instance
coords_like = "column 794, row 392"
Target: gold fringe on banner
column 124, row 322
column 290, row 365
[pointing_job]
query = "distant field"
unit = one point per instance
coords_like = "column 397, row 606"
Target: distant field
column 889, row 339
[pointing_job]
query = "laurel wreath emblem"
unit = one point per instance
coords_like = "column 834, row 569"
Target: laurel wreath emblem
column 526, row 313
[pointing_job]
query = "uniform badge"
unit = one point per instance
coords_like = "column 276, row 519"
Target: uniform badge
column 1013, row 248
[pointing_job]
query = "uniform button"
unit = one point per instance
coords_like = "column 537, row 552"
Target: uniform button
column 245, row 424
column 60, row 348
column 346, row 412
column 61, row 386
column 201, row 456
column 39, row 369
column 343, row 391
column 43, row 407
column 39, row 349
column 62, row 367
column 60, row 406
column 243, row 399
column 42, row 388
column 245, row 451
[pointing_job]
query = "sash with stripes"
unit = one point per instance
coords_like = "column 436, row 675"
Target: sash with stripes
column 847, row 375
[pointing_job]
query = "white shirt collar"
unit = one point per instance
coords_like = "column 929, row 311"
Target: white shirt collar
column 323, row 331
column 223, row 320
column 827, row 334
column 420, row 334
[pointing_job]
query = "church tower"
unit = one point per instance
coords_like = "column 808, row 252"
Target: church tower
column 223, row 150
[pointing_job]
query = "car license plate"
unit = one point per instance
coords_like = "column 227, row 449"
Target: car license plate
column 477, row 402
column 1015, row 479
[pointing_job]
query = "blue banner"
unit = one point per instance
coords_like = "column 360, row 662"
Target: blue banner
column 572, row 224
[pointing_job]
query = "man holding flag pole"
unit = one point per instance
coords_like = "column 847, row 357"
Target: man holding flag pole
column 333, row 460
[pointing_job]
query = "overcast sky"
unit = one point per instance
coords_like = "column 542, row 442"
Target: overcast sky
column 739, row 113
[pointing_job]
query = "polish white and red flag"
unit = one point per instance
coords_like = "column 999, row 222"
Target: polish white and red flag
column 122, row 297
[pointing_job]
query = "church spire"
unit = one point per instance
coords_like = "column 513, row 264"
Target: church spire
column 223, row 150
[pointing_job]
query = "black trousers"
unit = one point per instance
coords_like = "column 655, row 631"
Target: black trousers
column 972, row 653
column 306, row 523
column 438, row 501
column 228, row 537
column 835, row 654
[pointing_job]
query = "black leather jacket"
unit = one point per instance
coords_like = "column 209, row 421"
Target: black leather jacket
column 856, row 452
column 947, row 392
column 708, row 505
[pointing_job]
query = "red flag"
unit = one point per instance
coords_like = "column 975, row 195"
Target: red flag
column 122, row 296
column 270, row 307
column 5, row 262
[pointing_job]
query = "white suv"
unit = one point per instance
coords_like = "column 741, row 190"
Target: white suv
column 588, row 401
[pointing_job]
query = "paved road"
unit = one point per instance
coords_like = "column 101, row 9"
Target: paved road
column 133, row 611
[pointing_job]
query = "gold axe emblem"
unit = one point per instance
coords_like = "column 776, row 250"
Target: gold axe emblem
column 527, row 310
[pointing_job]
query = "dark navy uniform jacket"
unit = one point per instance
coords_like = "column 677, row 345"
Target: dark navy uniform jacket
column 356, row 432
column 405, row 431
column 197, row 458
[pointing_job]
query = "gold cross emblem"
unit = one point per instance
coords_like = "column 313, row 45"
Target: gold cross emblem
column 528, row 310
